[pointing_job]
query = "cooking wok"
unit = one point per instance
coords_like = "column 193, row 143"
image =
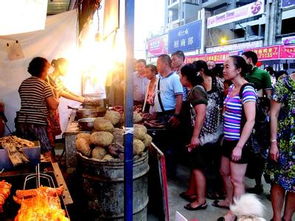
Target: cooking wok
column 86, row 123
column 86, row 113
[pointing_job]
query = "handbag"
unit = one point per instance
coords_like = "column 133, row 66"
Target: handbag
column 250, row 142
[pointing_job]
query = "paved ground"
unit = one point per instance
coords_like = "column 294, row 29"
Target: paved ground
column 176, row 203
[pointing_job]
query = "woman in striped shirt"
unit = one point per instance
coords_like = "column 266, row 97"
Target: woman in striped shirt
column 36, row 101
column 234, row 154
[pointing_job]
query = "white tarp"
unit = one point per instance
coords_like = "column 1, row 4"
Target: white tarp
column 19, row 16
column 59, row 39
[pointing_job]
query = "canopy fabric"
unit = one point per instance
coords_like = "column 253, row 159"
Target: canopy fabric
column 58, row 39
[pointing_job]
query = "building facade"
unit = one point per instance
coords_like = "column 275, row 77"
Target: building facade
column 237, row 25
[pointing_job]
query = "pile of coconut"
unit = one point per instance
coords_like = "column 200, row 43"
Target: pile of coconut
column 106, row 142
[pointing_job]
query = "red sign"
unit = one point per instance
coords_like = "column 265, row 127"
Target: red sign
column 287, row 52
column 267, row 53
column 264, row 53
column 158, row 46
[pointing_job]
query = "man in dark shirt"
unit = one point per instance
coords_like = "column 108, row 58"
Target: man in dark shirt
column 262, row 83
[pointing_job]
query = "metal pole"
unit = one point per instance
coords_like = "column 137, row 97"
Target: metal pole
column 128, row 109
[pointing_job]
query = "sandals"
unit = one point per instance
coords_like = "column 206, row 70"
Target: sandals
column 216, row 204
column 202, row 206
column 189, row 198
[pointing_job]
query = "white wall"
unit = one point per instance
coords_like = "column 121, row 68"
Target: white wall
column 59, row 39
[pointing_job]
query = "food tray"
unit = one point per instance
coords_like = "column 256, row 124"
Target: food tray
column 33, row 154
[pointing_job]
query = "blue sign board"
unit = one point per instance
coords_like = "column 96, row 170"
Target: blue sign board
column 287, row 3
column 185, row 38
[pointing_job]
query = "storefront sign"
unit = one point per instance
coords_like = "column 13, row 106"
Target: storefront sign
column 275, row 52
column 288, row 52
column 235, row 47
column 246, row 11
column 216, row 57
column 157, row 46
column 267, row 53
column 288, row 40
column 287, row 3
column 185, row 38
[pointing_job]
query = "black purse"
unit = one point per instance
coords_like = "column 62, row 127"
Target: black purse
column 251, row 140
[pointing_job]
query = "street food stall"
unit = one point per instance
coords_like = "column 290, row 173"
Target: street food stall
column 101, row 143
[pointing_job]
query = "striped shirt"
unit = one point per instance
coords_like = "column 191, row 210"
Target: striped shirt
column 233, row 112
column 33, row 93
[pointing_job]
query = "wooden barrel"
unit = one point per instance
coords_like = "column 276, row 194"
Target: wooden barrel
column 103, row 185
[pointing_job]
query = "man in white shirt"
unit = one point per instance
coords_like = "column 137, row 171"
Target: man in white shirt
column 139, row 82
column 168, row 102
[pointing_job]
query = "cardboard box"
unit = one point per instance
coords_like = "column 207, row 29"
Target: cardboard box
column 33, row 154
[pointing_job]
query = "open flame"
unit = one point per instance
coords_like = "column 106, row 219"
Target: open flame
column 95, row 60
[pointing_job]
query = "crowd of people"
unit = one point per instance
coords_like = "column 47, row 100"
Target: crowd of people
column 229, row 123
column 232, row 122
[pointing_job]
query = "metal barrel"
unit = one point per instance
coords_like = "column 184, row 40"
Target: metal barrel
column 103, row 185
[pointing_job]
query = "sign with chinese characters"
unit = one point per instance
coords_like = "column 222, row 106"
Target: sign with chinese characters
column 235, row 47
column 287, row 52
column 246, row 11
column 185, row 38
column 274, row 52
column 157, row 46
column 267, row 53
column 216, row 57
column 287, row 3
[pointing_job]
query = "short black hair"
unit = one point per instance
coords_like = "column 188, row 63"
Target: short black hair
column 252, row 55
column 166, row 58
column 152, row 67
column 189, row 71
column 200, row 64
column 141, row 61
column 37, row 66
column 179, row 54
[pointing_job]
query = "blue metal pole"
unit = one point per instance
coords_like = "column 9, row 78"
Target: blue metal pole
column 128, row 109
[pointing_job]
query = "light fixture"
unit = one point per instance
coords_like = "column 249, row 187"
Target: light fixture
column 223, row 40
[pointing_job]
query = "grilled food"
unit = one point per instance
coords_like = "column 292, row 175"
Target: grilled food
column 4, row 193
column 41, row 204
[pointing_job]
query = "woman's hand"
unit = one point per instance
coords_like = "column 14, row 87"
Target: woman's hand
column 236, row 154
column 195, row 142
column 274, row 151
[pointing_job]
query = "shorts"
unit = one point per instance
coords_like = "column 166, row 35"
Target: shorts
column 227, row 150
column 203, row 157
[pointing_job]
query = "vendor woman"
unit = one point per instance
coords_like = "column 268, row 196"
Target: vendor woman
column 60, row 66
column 37, row 100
